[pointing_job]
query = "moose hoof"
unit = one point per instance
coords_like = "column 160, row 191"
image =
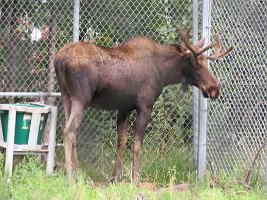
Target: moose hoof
column 114, row 179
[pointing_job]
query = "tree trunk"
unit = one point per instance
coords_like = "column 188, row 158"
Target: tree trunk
column 49, row 100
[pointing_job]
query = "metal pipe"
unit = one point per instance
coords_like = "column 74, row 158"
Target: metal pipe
column 52, row 141
column 76, row 20
column 265, row 177
column 29, row 94
column 195, row 89
column 203, row 103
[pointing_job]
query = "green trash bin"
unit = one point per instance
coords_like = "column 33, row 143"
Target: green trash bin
column 23, row 124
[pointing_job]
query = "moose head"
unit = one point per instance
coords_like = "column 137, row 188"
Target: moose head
column 195, row 69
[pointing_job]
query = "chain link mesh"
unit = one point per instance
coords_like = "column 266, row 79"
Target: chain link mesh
column 238, row 120
column 31, row 31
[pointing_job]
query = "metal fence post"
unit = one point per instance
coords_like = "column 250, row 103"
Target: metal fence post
column 203, row 103
column 265, row 172
column 195, row 89
column 52, row 141
column 76, row 20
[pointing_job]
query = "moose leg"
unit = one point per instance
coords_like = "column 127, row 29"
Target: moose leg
column 67, row 105
column 74, row 156
column 66, row 101
column 74, row 122
column 122, row 124
column 142, row 119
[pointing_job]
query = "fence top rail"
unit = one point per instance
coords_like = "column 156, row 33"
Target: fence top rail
column 29, row 94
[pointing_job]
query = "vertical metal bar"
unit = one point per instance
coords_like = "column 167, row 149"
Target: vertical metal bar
column 203, row 103
column 10, row 140
column 52, row 141
column 195, row 89
column 265, row 178
column 76, row 20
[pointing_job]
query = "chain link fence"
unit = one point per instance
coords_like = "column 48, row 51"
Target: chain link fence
column 31, row 31
column 238, row 120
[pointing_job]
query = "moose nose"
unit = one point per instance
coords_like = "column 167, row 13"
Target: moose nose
column 211, row 91
column 215, row 93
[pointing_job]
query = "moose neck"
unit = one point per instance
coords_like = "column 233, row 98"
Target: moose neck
column 171, row 65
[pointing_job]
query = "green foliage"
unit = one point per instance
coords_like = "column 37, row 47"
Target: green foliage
column 4, row 186
column 171, row 118
column 111, row 22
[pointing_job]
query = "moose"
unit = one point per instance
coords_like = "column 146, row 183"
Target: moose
column 128, row 77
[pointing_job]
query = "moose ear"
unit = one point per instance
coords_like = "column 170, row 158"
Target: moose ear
column 179, row 48
column 200, row 43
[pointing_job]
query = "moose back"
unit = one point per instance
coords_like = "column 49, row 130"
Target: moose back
column 128, row 77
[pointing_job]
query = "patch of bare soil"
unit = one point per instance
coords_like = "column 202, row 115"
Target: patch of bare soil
column 154, row 186
column 182, row 187
column 150, row 186
column 99, row 184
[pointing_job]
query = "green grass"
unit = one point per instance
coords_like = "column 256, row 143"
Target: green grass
column 174, row 164
column 29, row 181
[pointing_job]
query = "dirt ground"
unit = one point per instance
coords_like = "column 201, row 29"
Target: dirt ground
column 150, row 186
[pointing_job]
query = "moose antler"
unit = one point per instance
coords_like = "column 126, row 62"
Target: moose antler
column 218, row 54
column 196, row 52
